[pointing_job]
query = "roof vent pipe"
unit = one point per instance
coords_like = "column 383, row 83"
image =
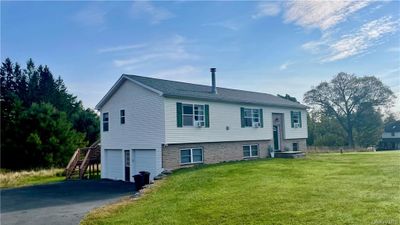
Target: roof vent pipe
column 213, row 83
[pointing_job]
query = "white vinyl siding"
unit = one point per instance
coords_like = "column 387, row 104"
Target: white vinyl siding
column 223, row 116
column 144, row 110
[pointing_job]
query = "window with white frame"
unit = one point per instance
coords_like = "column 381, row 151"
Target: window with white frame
column 105, row 121
column 251, row 116
column 191, row 155
column 193, row 113
column 250, row 151
column 296, row 117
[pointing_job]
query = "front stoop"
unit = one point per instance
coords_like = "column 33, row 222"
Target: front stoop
column 290, row 154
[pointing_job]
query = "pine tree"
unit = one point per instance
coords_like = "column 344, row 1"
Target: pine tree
column 41, row 123
column 33, row 83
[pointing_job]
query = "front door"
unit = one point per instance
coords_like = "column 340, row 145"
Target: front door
column 127, row 165
column 276, row 137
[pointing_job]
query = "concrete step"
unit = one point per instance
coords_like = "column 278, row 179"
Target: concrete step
column 290, row 154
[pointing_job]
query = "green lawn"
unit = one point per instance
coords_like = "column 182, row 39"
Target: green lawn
column 10, row 179
column 353, row 188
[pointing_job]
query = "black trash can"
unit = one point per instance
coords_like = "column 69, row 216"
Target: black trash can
column 138, row 181
column 146, row 177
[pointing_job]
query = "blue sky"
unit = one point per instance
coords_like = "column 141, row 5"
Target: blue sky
column 273, row 47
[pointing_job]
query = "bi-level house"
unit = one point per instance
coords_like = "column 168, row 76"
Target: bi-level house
column 153, row 124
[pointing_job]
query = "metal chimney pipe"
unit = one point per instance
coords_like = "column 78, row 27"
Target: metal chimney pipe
column 213, row 83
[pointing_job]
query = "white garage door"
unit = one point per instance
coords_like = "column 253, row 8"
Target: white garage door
column 113, row 164
column 145, row 160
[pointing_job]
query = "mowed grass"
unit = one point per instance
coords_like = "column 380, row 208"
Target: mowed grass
column 9, row 179
column 353, row 188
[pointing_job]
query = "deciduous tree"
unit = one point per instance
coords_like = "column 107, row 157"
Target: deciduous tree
column 345, row 98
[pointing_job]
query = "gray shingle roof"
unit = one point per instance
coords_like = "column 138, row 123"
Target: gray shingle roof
column 203, row 92
column 393, row 127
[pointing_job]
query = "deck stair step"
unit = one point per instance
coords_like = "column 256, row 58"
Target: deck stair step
column 82, row 160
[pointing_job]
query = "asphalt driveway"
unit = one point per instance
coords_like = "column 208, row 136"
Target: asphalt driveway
column 63, row 203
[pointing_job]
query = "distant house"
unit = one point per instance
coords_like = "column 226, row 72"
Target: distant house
column 391, row 137
column 153, row 124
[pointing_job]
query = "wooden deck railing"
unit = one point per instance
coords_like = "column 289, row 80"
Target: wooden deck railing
column 92, row 156
column 82, row 159
column 72, row 163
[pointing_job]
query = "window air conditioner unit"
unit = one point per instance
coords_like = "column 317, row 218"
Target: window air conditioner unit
column 296, row 125
column 256, row 125
column 197, row 124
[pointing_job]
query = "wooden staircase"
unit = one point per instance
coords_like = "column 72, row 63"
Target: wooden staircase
column 82, row 160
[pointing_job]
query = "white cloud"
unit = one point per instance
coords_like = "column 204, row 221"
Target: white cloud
column 356, row 42
column 285, row 65
column 228, row 24
column 267, row 9
column 334, row 44
column 120, row 48
column 311, row 13
column 313, row 46
column 155, row 14
column 369, row 35
column 91, row 16
column 172, row 49
column 321, row 14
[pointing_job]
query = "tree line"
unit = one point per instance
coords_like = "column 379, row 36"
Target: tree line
column 42, row 124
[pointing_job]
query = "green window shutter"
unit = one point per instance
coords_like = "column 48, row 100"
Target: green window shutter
column 242, row 116
column 207, row 115
column 179, row 114
column 261, row 118
column 300, row 118
column 291, row 118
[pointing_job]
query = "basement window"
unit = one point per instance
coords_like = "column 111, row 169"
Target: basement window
column 250, row 151
column 191, row 155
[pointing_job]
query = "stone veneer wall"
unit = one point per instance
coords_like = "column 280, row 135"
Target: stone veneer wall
column 212, row 152
column 288, row 143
